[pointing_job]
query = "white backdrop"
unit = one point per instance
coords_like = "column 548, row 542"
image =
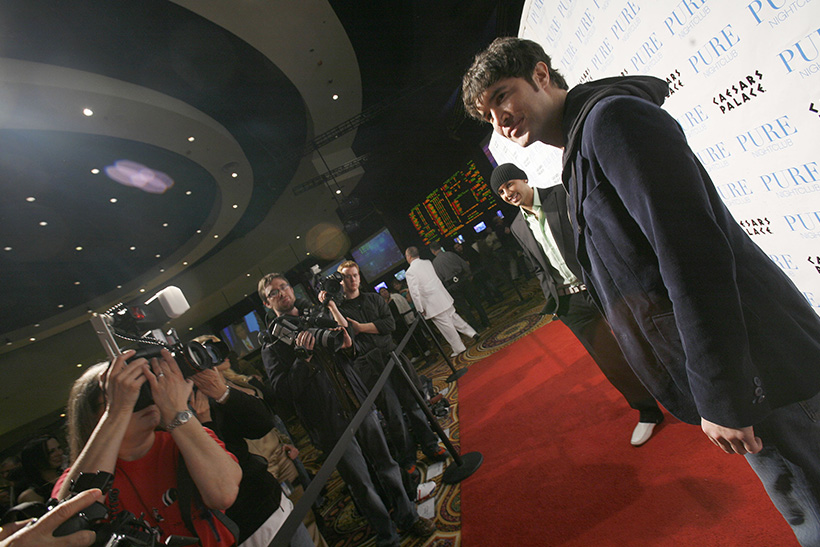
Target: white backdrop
column 745, row 82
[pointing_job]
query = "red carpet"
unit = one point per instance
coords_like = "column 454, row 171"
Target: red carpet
column 559, row 470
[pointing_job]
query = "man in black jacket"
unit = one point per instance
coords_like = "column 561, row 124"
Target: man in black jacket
column 544, row 232
column 324, row 391
column 372, row 324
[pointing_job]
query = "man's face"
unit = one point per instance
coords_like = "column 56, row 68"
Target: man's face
column 279, row 296
column 520, row 112
column 516, row 192
column 351, row 279
column 385, row 294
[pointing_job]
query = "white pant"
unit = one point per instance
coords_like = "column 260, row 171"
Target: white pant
column 449, row 324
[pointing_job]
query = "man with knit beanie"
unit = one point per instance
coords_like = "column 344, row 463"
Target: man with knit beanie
column 544, row 232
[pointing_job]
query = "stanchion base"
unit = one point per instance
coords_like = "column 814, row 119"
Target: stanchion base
column 470, row 462
column 457, row 374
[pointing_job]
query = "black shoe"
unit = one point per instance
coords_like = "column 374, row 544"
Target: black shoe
column 410, row 479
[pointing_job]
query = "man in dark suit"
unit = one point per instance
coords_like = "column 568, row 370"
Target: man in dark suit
column 544, row 232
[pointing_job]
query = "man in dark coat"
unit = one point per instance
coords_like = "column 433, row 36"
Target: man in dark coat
column 716, row 331
column 543, row 230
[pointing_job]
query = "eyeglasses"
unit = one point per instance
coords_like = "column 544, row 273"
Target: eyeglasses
column 276, row 292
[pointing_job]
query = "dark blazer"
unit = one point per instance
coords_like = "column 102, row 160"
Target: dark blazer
column 709, row 323
column 554, row 206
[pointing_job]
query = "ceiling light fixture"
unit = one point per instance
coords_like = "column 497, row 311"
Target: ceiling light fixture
column 184, row 263
column 164, row 224
column 95, row 171
column 188, row 193
column 298, row 237
column 76, row 282
column 6, row 249
column 199, row 231
column 216, row 236
column 88, row 112
column 335, row 97
column 235, row 206
column 43, row 223
column 156, row 256
column 32, row 339
column 113, row 200
column 338, row 191
column 133, row 248
column 191, row 139
column 119, row 286
column 234, row 175
column 30, row 199
column 79, row 365
column 142, row 290
column 78, row 248
column 60, row 306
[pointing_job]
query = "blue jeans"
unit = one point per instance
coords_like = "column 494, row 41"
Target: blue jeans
column 789, row 466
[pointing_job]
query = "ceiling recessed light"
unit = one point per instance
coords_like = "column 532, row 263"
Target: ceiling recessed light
column 78, row 248
column 60, row 305
column 32, row 339
column 216, row 236
column 142, row 290
column 9, row 342
column 119, row 286
column 184, row 263
column 30, row 199
column 6, row 248
column 76, row 282
column 164, row 224
column 338, row 191
column 298, row 237
column 95, row 171
column 191, row 139
column 235, row 206
column 161, row 270
column 190, row 328
column 88, row 112
column 43, row 223
column 247, row 275
column 133, row 248
column 36, row 325
column 188, row 193
column 234, row 175
column 335, row 97
column 199, row 231
column 308, row 254
column 113, row 200
column 79, row 365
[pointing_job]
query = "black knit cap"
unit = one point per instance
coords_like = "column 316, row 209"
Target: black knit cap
column 505, row 172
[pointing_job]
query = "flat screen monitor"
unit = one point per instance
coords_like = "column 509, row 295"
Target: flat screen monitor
column 377, row 255
column 380, row 286
column 499, row 213
column 480, row 227
column 459, row 238
column 400, row 275
column 243, row 336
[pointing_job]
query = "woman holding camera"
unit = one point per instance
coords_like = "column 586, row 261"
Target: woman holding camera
column 107, row 434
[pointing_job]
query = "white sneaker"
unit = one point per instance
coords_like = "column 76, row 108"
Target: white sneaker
column 642, row 433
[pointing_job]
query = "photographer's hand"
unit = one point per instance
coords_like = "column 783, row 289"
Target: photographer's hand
column 121, row 383
column 334, row 309
column 347, row 340
column 168, row 387
column 307, row 341
column 39, row 534
column 211, row 382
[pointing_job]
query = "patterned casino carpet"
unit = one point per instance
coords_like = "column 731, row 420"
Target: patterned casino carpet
column 343, row 526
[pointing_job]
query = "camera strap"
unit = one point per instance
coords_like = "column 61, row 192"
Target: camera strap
column 189, row 494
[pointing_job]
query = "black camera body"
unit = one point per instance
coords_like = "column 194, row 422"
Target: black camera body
column 125, row 530
column 313, row 319
column 332, row 285
column 192, row 358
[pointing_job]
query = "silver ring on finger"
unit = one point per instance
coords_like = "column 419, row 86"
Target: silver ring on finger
column 160, row 375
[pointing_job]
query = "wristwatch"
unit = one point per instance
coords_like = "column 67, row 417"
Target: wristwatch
column 181, row 418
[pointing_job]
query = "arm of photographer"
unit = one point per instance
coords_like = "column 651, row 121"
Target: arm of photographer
column 204, row 457
column 120, row 389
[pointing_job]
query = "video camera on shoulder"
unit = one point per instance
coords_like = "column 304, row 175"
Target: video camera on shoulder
column 125, row 530
column 314, row 319
column 141, row 324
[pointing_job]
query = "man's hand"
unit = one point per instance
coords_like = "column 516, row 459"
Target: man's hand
column 40, row 533
column 210, row 382
column 357, row 327
column 291, row 451
column 732, row 441
column 347, row 340
column 307, row 341
column 200, row 405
